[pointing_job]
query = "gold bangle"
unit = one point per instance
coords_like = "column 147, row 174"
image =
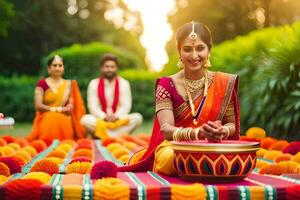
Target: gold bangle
column 197, row 130
column 59, row 109
column 227, row 133
column 175, row 134
column 52, row 109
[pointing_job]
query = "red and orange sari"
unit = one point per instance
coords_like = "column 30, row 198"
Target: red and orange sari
column 55, row 125
column 223, row 88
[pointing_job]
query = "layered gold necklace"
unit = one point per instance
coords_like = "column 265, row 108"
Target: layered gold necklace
column 192, row 86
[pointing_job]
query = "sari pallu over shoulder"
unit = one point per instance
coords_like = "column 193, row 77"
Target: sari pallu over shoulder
column 77, row 113
column 223, row 87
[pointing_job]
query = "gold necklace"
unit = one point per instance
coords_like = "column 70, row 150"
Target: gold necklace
column 194, row 85
column 190, row 99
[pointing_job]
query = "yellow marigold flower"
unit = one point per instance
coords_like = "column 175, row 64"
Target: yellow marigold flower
column 270, row 155
column 7, row 150
column 256, row 132
column 54, row 159
column 113, row 146
column 3, row 179
column 261, row 152
column 124, row 158
column 79, row 168
column 130, row 145
column 195, row 191
column 261, row 164
column 288, row 167
column 111, row 189
column 296, row 158
column 30, row 150
column 15, row 146
column 64, row 147
column 70, row 142
column 120, row 152
column 24, row 155
column 41, row 176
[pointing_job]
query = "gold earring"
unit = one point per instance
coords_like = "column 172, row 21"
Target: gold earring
column 207, row 64
column 180, row 64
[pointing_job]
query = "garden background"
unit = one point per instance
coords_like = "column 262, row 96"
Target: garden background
column 257, row 39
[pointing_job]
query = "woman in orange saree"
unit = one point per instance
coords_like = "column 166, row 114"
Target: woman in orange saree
column 59, row 106
column 192, row 104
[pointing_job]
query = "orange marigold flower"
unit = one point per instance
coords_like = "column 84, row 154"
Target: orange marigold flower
column 283, row 157
column 83, row 153
column 267, row 142
column 22, row 142
column 20, row 188
column 84, row 141
column 256, row 132
column 12, row 163
column 271, row 169
column 8, row 138
column 279, row 145
column 2, row 142
column 39, row 145
column 45, row 165
column 108, row 141
column 4, row 170
column 57, row 153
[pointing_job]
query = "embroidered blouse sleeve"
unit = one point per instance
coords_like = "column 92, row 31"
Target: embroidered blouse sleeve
column 229, row 117
column 163, row 99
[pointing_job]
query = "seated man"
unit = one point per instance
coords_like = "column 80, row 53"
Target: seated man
column 109, row 103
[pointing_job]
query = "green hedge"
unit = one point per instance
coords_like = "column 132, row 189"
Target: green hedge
column 259, row 59
column 17, row 94
column 83, row 60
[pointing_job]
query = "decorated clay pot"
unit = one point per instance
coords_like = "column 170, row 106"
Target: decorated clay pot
column 226, row 161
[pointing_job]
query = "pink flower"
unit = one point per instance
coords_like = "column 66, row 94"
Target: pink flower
column 104, row 169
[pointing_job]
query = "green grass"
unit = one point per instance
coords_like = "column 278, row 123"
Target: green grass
column 22, row 129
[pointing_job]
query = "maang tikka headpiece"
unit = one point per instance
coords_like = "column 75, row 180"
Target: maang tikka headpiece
column 193, row 35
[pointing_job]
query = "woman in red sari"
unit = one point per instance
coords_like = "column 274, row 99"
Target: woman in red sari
column 59, row 106
column 192, row 104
